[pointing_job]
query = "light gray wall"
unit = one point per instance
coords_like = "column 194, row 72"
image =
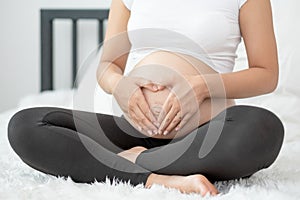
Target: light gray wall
column 20, row 45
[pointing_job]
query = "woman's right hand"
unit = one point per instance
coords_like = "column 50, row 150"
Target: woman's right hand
column 131, row 100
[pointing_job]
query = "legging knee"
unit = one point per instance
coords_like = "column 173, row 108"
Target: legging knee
column 23, row 128
column 271, row 131
column 40, row 147
column 17, row 128
column 259, row 139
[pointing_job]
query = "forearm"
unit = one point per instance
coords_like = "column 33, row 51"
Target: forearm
column 241, row 84
column 108, row 78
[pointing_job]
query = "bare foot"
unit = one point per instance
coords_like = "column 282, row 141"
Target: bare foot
column 186, row 184
column 132, row 154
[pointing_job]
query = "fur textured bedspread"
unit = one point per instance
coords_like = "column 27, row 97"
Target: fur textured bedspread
column 18, row 181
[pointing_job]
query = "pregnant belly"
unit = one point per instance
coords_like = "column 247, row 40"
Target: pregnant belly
column 184, row 65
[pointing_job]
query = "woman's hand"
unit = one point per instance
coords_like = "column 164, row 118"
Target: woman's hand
column 131, row 100
column 182, row 104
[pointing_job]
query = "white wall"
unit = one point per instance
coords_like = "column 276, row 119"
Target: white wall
column 20, row 45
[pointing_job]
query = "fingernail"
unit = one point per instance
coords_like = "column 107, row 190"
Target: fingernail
column 165, row 132
column 155, row 132
column 161, row 87
column 155, row 87
column 149, row 132
column 176, row 129
column 140, row 128
column 160, row 132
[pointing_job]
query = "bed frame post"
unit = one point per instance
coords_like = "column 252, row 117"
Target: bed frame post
column 46, row 51
column 100, row 31
column 47, row 18
column 74, row 52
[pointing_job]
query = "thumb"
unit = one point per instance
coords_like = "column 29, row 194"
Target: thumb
column 142, row 82
column 149, row 84
column 154, row 87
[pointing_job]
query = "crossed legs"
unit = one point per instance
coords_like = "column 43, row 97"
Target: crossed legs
column 65, row 142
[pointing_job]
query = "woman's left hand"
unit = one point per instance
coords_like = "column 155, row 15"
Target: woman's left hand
column 182, row 103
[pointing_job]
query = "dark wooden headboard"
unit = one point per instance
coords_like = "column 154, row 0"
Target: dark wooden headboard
column 47, row 17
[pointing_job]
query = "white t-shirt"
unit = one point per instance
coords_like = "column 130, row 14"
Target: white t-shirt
column 206, row 29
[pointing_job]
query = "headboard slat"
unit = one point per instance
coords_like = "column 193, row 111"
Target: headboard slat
column 100, row 32
column 47, row 17
column 74, row 51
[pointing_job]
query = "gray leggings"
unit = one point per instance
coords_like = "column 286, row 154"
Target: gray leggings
column 64, row 142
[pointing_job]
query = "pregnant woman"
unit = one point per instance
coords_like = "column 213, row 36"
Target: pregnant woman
column 173, row 101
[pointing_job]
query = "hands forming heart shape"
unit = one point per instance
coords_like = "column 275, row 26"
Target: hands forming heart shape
column 180, row 107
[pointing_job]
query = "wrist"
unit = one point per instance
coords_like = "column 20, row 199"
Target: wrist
column 200, row 88
column 204, row 87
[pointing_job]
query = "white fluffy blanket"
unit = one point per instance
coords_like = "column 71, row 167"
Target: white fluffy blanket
column 18, row 181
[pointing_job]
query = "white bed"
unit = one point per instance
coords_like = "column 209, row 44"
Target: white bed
column 280, row 181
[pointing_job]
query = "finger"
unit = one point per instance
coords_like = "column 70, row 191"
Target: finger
column 144, row 110
column 161, row 87
column 153, row 87
column 135, row 107
column 174, row 123
column 183, row 122
column 165, row 109
column 135, row 121
column 141, row 127
column 148, row 126
column 168, row 119
column 149, row 84
column 142, row 82
column 143, row 105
